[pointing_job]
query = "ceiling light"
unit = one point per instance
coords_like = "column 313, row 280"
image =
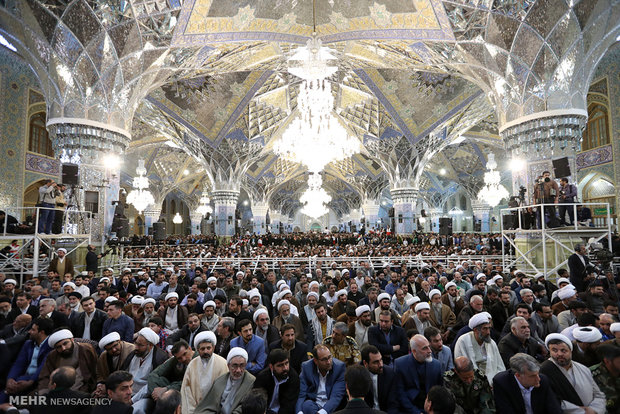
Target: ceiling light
column 442, row 171
column 185, row 172
column 140, row 197
column 113, row 161
column 177, row 219
column 517, row 164
column 492, row 192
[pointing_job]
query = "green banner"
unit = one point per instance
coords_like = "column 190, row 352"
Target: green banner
column 602, row 211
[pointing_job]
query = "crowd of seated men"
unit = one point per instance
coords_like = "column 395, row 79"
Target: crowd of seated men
column 471, row 338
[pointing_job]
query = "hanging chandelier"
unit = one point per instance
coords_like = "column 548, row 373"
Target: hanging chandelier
column 315, row 198
column 140, row 197
column 177, row 219
column 204, row 206
column 492, row 192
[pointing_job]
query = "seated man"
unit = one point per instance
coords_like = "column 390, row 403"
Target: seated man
column 63, row 396
column 440, row 352
column 606, row 375
column 279, row 382
column 111, row 359
column 187, row 332
column 522, row 390
column 89, row 324
column 357, row 383
column 118, row 389
column 118, row 322
column 173, row 315
column 587, row 338
column 439, row 401
column 388, row 338
column 519, row 340
column 341, row 346
column 381, row 394
column 297, row 350
column 252, row 344
column 229, row 389
column 322, row 386
column 416, row 374
column 470, row 387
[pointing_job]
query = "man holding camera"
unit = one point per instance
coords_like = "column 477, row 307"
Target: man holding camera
column 568, row 192
column 61, row 206
column 47, row 199
column 547, row 191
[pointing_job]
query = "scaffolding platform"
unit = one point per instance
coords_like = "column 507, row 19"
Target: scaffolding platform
column 26, row 259
column 545, row 249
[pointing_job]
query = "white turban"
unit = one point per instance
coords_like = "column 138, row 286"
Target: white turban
column 285, row 292
column 341, row 292
column 149, row 335
column 316, row 295
column 140, row 273
column 169, row 269
column 615, row 327
column 125, row 270
column 280, row 283
column 361, row 309
column 104, row 278
column 283, row 302
column 539, row 274
column 71, row 284
column 258, row 312
column 566, row 293
column 421, row 306
column 211, row 279
column 313, row 283
column 205, row 336
column 148, row 300
column 449, row 284
column 235, row 352
column 208, row 303
column 479, row 275
column 413, row 301
column 254, row 293
column 172, row 295
column 108, row 339
column 345, row 271
column 479, row 319
column 62, row 249
column 587, row 334
column 137, row 300
column 59, row 336
column 383, row 296
column 245, row 302
column 496, row 278
column 110, row 299
column 239, row 273
column 490, row 282
column 433, row 293
column 84, row 273
column 561, row 337
column 563, row 280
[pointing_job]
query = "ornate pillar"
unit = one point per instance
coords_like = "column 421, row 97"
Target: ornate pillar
column 274, row 216
column 540, row 138
column 196, row 221
column 404, row 206
column 259, row 214
column 225, row 205
column 151, row 215
column 371, row 214
column 482, row 212
column 356, row 216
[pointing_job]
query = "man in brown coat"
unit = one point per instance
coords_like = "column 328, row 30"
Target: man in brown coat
column 173, row 315
column 441, row 315
column 115, row 352
column 61, row 264
column 67, row 352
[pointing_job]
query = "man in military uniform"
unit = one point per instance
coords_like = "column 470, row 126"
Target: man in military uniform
column 470, row 387
column 343, row 347
column 607, row 375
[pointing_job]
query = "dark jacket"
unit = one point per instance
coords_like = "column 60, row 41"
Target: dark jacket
column 408, row 383
column 18, row 370
column 184, row 333
column 15, row 312
column 508, row 397
column 159, row 357
column 59, row 319
column 578, row 271
column 397, row 337
column 96, row 325
column 298, row 356
column 288, row 391
column 358, row 407
column 181, row 315
column 387, row 392
column 114, row 407
column 511, row 345
column 69, row 408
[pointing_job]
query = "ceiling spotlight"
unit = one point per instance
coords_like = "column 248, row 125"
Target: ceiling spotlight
column 442, row 171
column 517, row 164
column 185, row 172
column 246, row 202
column 111, row 161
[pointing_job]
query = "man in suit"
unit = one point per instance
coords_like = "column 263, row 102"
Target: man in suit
column 381, row 394
column 578, row 263
column 23, row 306
column 119, row 388
column 416, row 374
column 391, row 340
column 358, row 384
column 47, row 307
column 322, row 386
column 297, row 350
column 89, row 324
column 62, row 386
column 188, row 332
column 521, row 389
column 279, row 382
column 238, row 383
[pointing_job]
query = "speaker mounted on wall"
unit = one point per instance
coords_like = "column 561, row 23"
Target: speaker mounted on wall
column 561, row 168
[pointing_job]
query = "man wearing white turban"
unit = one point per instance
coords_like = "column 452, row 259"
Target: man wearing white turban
column 229, row 389
column 478, row 346
column 173, row 315
column 114, row 353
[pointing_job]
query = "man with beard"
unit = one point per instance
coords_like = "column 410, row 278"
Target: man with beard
column 442, row 317
column 416, row 374
column 235, row 310
column 297, row 350
column 264, row 330
column 388, row 338
column 586, row 341
column 341, row 346
column 307, row 316
column 359, row 329
column 370, row 299
column 252, row 344
column 571, row 381
column 479, row 348
column 173, row 315
column 61, row 264
column 519, row 341
column 201, row 372
column 441, row 353
column 5, row 310
column 209, row 319
column 384, row 305
column 322, row 324
column 501, row 310
column 381, row 395
column 225, row 333
column 68, row 353
column 421, row 319
column 476, row 305
column 188, row 332
column 285, row 316
column 118, row 322
column 279, row 382
column 228, row 390
column 543, row 321
column 470, row 387
column 342, row 304
column 213, row 290
column 149, row 312
column 144, row 359
column 118, row 385
column 88, row 324
column 594, row 299
column 111, row 359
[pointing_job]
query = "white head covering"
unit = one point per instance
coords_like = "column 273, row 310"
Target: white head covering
column 172, row 295
column 421, row 306
column 280, row 283
column 412, row 301
column 245, row 302
column 108, row 339
column 313, row 283
column 235, row 352
column 316, row 295
column 104, row 278
column 566, row 293
column 434, row 292
column 149, row 335
column 205, row 336
column 283, row 302
column 110, row 299
column 361, row 309
column 62, row 249
column 59, row 336
column 259, row 312
column 341, row 292
column 137, row 300
column 449, row 284
column 587, row 334
column 383, row 296
column 285, row 292
column 73, row 285
column 253, row 293
column 479, row 319
column 560, row 337
column 615, row 327
column 148, row 300
column 563, row 280
column 208, row 303
column 239, row 273
column 214, row 279
column 344, row 271
column 84, row 273
column 539, row 274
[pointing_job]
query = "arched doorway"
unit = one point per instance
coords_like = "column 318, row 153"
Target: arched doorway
column 600, row 189
column 31, row 195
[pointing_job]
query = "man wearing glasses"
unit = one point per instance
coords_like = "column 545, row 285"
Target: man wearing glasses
column 322, row 386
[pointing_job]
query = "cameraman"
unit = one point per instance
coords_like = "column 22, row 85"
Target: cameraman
column 547, row 191
column 61, row 206
column 568, row 192
column 47, row 194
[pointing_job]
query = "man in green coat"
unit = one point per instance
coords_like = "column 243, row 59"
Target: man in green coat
column 607, row 375
column 470, row 387
column 169, row 375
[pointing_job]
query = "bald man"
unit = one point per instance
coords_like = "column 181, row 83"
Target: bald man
column 470, row 387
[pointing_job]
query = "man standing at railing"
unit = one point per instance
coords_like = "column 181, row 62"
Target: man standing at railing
column 48, row 201
column 60, row 205
column 568, row 192
column 547, row 191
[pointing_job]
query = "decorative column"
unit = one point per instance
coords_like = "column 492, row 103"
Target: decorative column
column 540, row 138
column 151, row 215
column 274, row 216
column 371, row 214
column 196, row 221
column 225, row 205
column 259, row 214
column 356, row 216
column 482, row 212
column 404, row 206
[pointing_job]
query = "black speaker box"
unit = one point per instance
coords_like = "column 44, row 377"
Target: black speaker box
column 70, row 174
column 561, row 168
column 445, row 226
column 159, row 231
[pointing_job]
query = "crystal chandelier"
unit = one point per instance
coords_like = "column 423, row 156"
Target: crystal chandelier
column 492, row 192
column 204, row 207
column 315, row 198
column 140, row 197
column 177, row 219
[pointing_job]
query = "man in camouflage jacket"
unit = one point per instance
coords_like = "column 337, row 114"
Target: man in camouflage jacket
column 470, row 387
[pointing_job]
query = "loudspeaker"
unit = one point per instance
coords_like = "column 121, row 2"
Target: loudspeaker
column 445, row 226
column 561, row 168
column 391, row 212
column 509, row 222
column 159, row 231
column 70, row 174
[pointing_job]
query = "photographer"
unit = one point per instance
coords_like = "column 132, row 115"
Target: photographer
column 547, row 191
column 61, row 206
column 568, row 193
column 47, row 194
